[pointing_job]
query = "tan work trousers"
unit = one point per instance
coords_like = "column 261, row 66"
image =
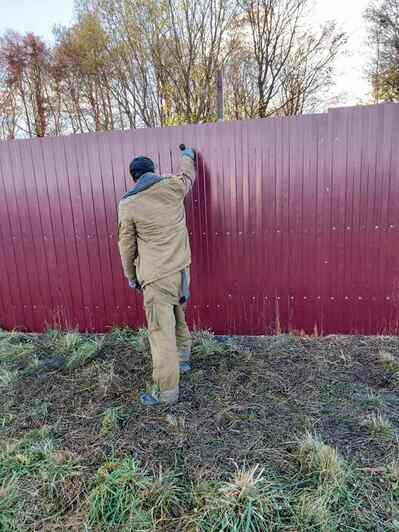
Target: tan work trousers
column 168, row 333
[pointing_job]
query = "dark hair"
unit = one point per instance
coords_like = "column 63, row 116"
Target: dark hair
column 139, row 166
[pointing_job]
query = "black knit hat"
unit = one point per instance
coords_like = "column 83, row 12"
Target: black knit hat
column 140, row 166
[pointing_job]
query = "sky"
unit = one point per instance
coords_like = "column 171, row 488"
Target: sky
column 351, row 83
column 40, row 16
column 37, row 16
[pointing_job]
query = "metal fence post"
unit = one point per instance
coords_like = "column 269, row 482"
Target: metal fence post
column 220, row 94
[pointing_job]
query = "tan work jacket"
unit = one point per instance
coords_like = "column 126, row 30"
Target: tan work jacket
column 152, row 231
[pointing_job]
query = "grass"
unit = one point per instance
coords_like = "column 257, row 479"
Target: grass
column 106, row 378
column 332, row 492
column 232, row 456
column 6, row 419
column 82, row 352
column 205, row 344
column 68, row 342
column 393, row 470
column 10, row 506
column 320, row 461
column 14, row 352
column 34, row 474
column 26, row 456
column 166, row 498
column 137, row 339
column 313, row 512
column 120, row 497
column 36, row 457
column 243, row 503
column 40, row 411
column 111, row 420
column 379, row 427
column 373, row 400
column 126, row 496
column 388, row 361
column 7, row 377
column 122, row 334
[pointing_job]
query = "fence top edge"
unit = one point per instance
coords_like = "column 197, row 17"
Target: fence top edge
column 185, row 128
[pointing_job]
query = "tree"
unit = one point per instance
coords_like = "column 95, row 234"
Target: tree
column 290, row 64
column 197, row 34
column 25, row 63
column 8, row 106
column 165, row 55
column 83, row 73
column 383, row 29
column 148, row 63
column 307, row 75
column 134, row 29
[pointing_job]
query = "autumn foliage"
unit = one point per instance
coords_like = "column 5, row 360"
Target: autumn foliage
column 145, row 63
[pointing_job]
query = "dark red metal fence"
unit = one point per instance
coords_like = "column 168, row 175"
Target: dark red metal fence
column 294, row 225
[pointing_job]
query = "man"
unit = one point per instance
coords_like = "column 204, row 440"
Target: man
column 155, row 252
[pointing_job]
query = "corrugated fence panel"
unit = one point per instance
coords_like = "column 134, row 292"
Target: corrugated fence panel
column 294, row 225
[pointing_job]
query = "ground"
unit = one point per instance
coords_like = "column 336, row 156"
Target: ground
column 283, row 433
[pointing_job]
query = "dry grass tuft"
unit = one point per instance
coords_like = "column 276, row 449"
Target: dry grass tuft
column 244, row 483
column 379, row 427
column 205, row 344
column 69, row 341
column 388, row 361
column 373, row 400
column 246, row 503
column 320, row 460
column 136, row 339
column 7, row 377
column 312, row 512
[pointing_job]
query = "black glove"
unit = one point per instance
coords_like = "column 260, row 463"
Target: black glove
column 133, row 283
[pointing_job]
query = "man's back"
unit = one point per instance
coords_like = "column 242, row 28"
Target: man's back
column 155, row 218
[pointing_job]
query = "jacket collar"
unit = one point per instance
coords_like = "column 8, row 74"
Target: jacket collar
column 146, row 181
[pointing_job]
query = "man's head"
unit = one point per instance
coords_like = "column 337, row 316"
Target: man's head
column 139, row 166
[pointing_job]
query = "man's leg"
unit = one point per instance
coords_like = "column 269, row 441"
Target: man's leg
column 162, row 336
column 183, row 337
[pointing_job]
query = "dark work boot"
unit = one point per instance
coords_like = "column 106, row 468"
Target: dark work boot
column 147, row 399
column 155, row 398
column 185, row 367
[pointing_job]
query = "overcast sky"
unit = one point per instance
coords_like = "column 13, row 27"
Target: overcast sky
column 40, row 16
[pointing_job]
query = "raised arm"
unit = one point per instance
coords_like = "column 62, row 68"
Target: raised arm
column 186, row 176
